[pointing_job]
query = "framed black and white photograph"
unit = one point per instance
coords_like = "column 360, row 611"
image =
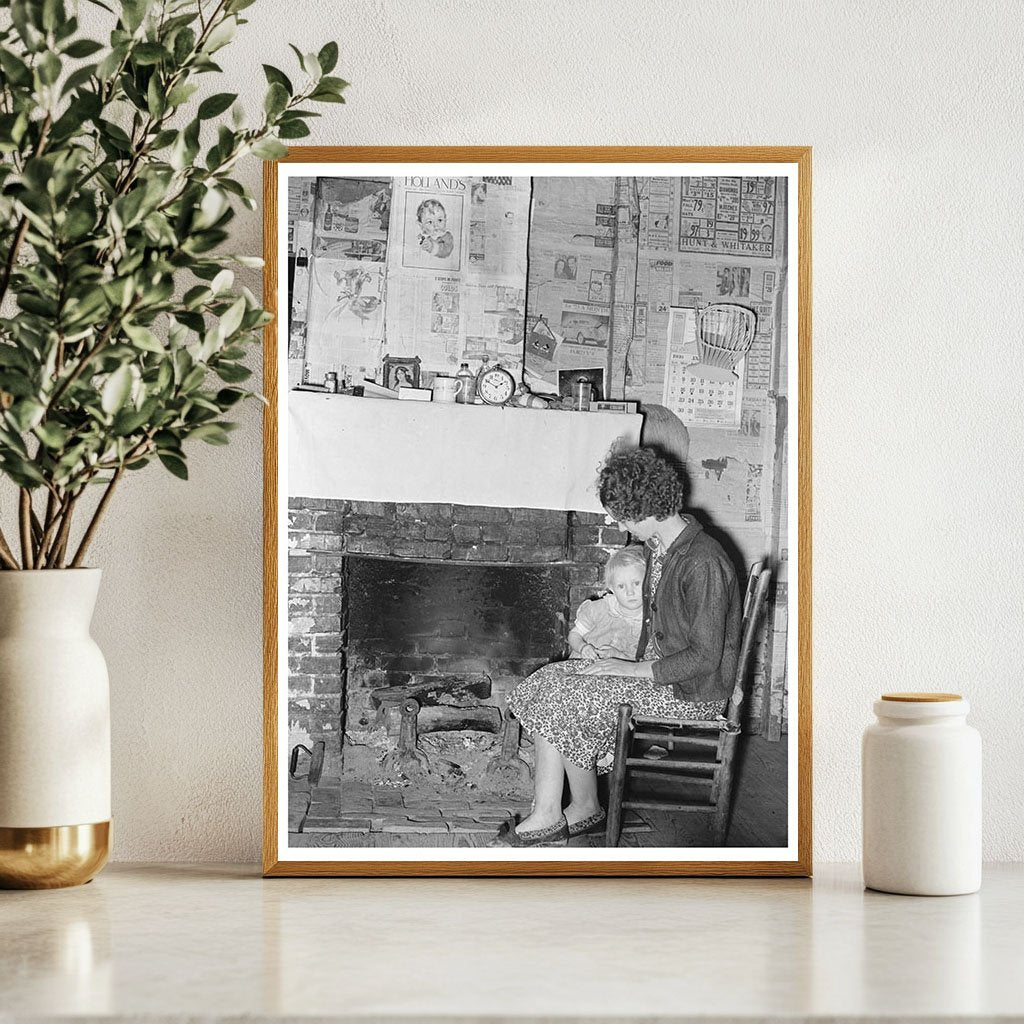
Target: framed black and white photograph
column 524, row 638
column 401, row 371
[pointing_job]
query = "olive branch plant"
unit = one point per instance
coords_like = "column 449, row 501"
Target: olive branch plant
column 122, row 333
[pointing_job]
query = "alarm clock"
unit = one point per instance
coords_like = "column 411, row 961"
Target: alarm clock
column 494, row 386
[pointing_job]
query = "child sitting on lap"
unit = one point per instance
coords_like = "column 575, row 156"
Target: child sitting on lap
column 609, row 626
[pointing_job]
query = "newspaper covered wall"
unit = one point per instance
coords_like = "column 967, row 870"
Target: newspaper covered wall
column 427, row 266
column 618, row 269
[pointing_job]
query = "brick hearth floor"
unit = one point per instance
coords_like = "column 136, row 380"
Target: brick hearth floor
column 370, row 809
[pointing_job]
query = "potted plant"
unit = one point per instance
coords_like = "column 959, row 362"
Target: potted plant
column 122, row 340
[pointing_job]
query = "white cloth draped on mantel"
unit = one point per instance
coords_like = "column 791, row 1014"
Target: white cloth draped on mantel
column 366, row 449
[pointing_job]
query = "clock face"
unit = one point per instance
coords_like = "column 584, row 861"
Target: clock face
column 496, row 386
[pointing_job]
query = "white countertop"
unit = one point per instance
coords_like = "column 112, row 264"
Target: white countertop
column 181, row 941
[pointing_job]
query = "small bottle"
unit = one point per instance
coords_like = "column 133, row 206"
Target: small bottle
column 467, row 389
column 331, row 382
column 921, row 779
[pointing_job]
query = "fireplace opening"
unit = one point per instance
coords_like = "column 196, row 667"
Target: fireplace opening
column 452, row 639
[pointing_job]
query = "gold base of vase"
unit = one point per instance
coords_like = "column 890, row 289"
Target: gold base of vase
column 54, row 857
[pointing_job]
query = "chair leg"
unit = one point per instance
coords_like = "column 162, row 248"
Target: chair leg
column 723, row 797
column 617, row 783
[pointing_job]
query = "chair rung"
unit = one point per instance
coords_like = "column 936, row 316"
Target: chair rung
column 668, row 764
column 712, row 724
column 690, row 780
column 662, row 805
column 670, row 737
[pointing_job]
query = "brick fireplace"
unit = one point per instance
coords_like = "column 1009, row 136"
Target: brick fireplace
column 450, row 604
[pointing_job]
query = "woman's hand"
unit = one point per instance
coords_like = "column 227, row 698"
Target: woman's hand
column 618, row 667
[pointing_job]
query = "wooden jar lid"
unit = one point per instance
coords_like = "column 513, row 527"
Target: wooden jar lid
column 921, row 698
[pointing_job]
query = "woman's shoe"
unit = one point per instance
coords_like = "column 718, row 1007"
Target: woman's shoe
column 553, row 835
column 595, row 823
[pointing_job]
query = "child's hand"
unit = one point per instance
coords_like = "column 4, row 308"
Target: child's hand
column 589, row 652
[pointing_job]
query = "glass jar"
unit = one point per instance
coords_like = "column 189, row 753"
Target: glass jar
column 921, row 789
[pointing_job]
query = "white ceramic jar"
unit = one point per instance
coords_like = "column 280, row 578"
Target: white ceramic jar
column 921, row 778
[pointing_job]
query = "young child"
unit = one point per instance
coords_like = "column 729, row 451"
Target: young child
column 435, row 238
column 609, row 626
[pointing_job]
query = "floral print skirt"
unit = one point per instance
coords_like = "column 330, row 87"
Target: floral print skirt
column 577, row 713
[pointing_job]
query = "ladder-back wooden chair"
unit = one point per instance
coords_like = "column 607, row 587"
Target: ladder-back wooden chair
column 699, row 754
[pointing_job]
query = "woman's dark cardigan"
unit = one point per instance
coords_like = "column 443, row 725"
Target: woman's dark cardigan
column 695, row 618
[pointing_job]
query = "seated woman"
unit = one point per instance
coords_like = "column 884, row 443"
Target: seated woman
column 687, row 654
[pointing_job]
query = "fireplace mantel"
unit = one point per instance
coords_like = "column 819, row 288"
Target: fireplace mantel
column 366, row 449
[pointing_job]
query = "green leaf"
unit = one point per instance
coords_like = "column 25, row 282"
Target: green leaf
column 21, row 471
column 26, row 21
column 129, row 421
column 65, row 28
column 156, row 101
column 37, row 304
column 227, row 397
column 133, row 12
column 326, row 96
column 49, row 68
column 53, row 435
column 255, row 262
column 328, row 57
column 232, row 373
column 116, row 390
column 221, row 35
column 175, row 465
column 216, row 104
column 109, row 65
column 211, row 433
column 222, row 282
column 83, row 48
column 181, row 94
column 53, row 14
column 278, row 77
column 211, row 208
column 276, row 100
column 334, row 84
column 77, row 79
column 26, row 414
column 232, row 319
column 293, row 130
column 195, row 296
column 149, row 53
column 269, row 149
column 184, row 44
column 16, row 70
column 193, row 379
column 144, row 338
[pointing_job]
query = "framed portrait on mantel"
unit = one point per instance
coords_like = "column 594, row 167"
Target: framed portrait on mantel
column 510, row 631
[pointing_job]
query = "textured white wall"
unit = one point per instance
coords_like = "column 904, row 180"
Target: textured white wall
column 913, row 110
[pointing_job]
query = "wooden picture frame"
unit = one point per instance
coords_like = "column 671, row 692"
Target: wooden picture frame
column 785, row 285
column 401, row 371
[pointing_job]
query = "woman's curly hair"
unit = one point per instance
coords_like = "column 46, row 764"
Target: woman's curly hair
column 638, row 482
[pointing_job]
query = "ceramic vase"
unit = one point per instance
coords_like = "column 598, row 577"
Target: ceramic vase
column 54, row 731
